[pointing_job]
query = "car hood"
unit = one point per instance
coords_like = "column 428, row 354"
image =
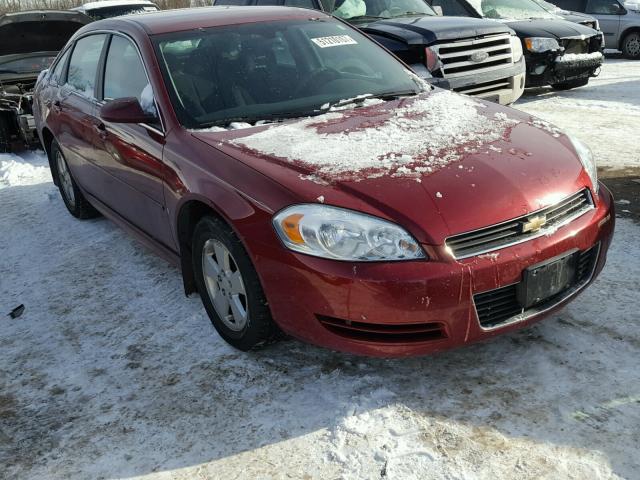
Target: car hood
column 38, row 30
column 427, row 30
column 438, row 164
column 550, row 28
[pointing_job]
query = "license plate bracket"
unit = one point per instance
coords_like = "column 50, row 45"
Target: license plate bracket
column 545, row 280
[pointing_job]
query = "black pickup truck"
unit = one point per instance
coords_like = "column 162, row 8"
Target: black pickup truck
column 29, row 41
column 472, row 56
column 559, row 53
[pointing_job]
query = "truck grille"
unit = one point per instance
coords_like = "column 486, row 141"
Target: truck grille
column 519, row 229
column 485, row 88
column 500, row 306
column 474, row 56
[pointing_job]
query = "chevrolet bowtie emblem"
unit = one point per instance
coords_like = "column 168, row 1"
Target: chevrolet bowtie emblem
column 533, row 224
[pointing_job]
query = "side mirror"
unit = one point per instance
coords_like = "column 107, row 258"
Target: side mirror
column 438, row 10
column 125, row 110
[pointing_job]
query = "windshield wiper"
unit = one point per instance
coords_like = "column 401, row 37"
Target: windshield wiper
column 8, row 71
column 367, row 17
column 406, row 14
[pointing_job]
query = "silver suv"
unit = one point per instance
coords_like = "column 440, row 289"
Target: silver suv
column 619, row 23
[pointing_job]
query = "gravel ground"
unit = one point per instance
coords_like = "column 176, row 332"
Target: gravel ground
column 112, row 373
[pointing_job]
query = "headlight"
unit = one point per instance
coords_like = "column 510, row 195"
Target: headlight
column 340, row 234
column 516, row 49
column 588, row 162
column 541, row 44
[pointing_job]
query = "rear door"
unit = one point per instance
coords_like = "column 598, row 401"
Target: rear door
column 74, row 107
column 131, row 154
column 608, row 13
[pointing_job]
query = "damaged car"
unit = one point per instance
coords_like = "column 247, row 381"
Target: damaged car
column 306, row 181
column 29, row 42
column 557, row 52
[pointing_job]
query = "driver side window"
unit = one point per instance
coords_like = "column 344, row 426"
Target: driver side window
column 604, row 7
column 125, row 76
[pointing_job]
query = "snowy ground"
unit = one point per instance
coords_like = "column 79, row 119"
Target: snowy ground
column 112, row 373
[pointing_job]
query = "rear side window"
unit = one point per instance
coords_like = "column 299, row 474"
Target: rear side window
column 57, row 76
column 83, row 65
column 124, row 74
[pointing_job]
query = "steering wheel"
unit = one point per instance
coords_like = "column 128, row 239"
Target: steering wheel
column 315, row 79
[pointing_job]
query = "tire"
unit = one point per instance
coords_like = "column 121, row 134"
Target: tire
column 631, row 46
column 229, row 287
column 73, row 198
column 5, row 135
column 581, row 82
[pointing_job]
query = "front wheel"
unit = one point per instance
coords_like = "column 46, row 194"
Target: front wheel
column 631, row 46
column 229, row 286
column 73, row 198
column 581, row 82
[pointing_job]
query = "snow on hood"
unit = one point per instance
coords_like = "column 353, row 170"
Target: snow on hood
column 419, row 136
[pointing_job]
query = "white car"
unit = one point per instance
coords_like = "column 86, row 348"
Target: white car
column 116, row 8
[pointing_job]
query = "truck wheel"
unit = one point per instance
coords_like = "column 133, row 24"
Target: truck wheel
column 73, row 198
column 229, row 286
column 631, row 46
column 581, row 82
column 5, row 136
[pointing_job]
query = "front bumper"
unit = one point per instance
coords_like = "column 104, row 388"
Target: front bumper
column 549, row 69
column 398, row 309
column 503, row 86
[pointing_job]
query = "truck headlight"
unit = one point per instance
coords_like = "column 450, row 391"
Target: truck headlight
column 588, row 161
column 341, row 234
column 516, row 49
column 541, row 44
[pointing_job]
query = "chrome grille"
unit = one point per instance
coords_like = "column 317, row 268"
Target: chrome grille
column 465, row 57
column 520, row 229
column 499, row 307
column 485, row 88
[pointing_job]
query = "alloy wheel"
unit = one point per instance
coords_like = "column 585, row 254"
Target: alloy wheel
column 225, row 285
column 65, row 179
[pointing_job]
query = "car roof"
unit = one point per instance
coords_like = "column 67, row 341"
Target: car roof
column 113, row 3
column 168, row 21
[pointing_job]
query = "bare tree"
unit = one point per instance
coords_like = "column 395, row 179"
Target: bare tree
column 19, row 5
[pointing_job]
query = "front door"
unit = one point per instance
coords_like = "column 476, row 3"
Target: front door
column 608, row 13
column 131, row 154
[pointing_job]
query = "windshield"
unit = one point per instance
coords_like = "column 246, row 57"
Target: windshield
column 273, row 70
column 375, row 9
column 33, row 64
column 510, row 9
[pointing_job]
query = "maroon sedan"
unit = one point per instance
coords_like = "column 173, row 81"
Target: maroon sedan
column 307, row 182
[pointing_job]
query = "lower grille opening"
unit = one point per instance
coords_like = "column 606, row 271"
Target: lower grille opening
column 384, row 333
column 501, row 306
column 487, row 87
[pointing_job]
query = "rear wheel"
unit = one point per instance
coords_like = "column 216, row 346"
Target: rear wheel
column 581, row 82
column 631, row 46
column 5, row 136
column 73, row 198
column 229, row 286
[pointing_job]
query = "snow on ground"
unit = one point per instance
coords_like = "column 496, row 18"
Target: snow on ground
column 605, row 114
column 112, row 373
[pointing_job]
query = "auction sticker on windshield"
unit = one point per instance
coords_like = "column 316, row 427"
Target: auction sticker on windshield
column 334, row 41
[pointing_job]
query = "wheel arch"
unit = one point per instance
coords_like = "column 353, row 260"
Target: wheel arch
column 623, row 35
column 188, row 215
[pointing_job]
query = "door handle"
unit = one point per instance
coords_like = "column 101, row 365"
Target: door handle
column 102, row 129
